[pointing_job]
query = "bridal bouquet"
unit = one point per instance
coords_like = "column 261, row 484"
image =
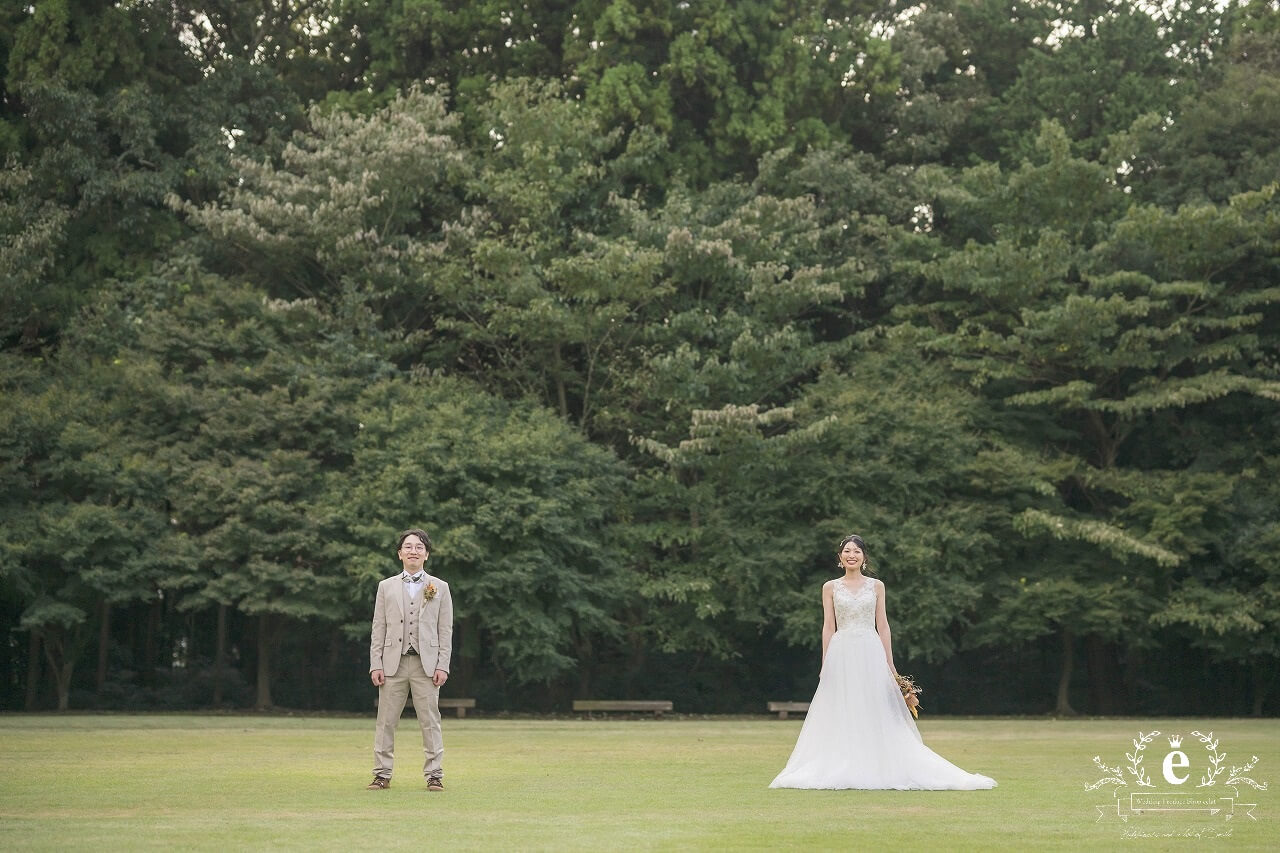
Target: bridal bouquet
column 909, row 693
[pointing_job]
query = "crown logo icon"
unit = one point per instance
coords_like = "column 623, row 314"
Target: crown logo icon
column 1175, row 741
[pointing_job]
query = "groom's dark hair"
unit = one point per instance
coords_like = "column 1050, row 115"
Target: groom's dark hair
column 414, row 531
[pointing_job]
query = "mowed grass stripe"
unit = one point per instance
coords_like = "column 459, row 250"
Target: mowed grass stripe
column 117, row 782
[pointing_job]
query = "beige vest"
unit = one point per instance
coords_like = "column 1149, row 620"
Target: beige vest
column 412, row 608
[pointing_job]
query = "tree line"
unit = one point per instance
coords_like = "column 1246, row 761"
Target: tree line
column 639, row 307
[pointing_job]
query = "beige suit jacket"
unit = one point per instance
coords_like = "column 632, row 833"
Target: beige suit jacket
column 435, row 627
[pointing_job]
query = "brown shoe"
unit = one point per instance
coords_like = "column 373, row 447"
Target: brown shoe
column 379, row 783
column 435, row 783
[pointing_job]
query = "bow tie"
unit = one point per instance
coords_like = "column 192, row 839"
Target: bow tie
column 414, row 579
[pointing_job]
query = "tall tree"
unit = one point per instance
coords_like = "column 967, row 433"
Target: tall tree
column 250, row 407
column 1100, row 64
column 1091, row 331
column 1217, row 143
column 85, row 515
column 349, row 209
column 729, row 82
column 100, row 136
column 518, row 507
column 745, row 513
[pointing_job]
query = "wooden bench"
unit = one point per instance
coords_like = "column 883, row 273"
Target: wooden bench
column 783, row 708
column 458, row 705
column 656, row 706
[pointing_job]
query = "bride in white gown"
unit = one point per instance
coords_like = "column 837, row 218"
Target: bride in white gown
column 858, row 732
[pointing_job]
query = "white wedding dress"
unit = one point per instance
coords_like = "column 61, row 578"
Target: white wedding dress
column 858, row 732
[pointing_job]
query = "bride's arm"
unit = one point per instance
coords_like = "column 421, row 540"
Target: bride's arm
column 828, row 619
column 882, row 628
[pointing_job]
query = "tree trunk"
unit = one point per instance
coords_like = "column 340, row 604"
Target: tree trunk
column 333, row 663
column 1261, row 684
column 133, row 627
column 637, row 656
column 33, row 672
column 62, row 666
column 1132, row 670
column 1099, row 670
column 263, row 701
column 466, row 646
column 562, row 396
column 148, row 669
column 583, row 651
column 1063, row 708
column 104, row 643
column 64, row 686
column 220, row 656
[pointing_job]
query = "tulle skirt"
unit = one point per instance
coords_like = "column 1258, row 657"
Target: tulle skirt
column 859, row 733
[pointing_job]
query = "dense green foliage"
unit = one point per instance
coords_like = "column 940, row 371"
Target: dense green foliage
column 639, row 307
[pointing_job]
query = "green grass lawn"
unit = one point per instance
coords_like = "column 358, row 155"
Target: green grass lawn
column 79, row 782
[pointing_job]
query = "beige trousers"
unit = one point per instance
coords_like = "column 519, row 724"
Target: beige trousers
column 410, row 676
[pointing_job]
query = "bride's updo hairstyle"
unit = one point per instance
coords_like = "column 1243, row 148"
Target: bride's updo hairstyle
column 866, row 558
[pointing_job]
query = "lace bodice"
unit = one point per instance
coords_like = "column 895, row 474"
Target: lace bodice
column 855, row 610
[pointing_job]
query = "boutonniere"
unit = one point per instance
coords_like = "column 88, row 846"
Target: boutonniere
column 429, row 593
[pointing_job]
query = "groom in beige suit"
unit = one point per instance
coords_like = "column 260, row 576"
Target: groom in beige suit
column 409, row 653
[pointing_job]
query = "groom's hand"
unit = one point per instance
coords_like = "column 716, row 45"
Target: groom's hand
column 377, row 677
column 439, row 678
